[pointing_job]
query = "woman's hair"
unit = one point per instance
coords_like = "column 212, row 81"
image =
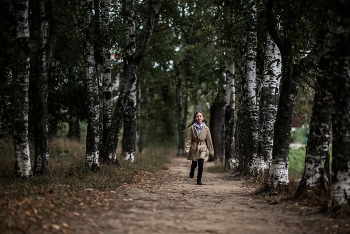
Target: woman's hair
column 194, row 119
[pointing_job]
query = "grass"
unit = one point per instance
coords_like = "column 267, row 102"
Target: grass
column 296, row 162
column 24, row 202
column 217, row 168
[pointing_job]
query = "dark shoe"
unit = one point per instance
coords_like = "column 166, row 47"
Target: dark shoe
column 191, row 174
column 199, row 183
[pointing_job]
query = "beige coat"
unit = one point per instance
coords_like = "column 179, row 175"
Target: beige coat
column 196, row 146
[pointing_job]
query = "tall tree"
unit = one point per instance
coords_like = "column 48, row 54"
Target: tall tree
column 129, row 116
column 129, row 122
column 268, row 106
column 41, row 164
column 340, row 191
column 132, row 58
column 228, row 32
column 23, row 166
column 316, row 174
column 7, row 65
column 181, row 122
column 106, row 66
column 83, row 22
column 248, row 104
column 230, row 109
column 292, row 74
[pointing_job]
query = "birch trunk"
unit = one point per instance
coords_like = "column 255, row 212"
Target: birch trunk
column 129, row 117
column 22, row 164
column 132, row 58
column 230, row 98
column 268, row 106
column 129, row 120
column 340, row 190
column 316, row 174
column 230, row 111
column 106, row 80
column 249, row 115
column 41, row 164
column 143, row 117
column 84, row 30
column 292, row 74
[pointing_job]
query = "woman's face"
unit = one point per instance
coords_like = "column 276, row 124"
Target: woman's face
column 199, row 118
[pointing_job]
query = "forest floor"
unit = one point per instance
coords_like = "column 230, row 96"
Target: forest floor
column 170, row 202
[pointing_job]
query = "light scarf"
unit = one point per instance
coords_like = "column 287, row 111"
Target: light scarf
column 199, row 127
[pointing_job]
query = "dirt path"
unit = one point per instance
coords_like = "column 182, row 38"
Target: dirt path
column 170, row 202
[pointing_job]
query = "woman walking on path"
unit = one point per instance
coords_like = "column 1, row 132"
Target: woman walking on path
column 198, row 141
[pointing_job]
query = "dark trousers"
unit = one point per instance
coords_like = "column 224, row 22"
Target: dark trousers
column 200, row 163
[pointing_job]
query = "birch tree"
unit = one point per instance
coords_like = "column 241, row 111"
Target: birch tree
column 230, row 109
column 292, row 74
column 268, row 106
column 41, row 164
column 8, row 58
column 22, row 165
column 132, row 58
column 83, row 22
column 230, row 95
column 316, row 174
column 248, row 106
column 129, row 122
column 129, row 116
column 106, row 66
column 340, row 190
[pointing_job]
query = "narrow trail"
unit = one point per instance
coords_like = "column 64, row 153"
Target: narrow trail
column 170, row 202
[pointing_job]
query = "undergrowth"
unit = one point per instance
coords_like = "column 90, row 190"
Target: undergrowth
column 68, row 186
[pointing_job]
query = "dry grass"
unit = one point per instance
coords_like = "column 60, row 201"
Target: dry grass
column 34, row 201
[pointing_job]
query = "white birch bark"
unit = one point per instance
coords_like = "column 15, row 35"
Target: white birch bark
column 132, row 58
column 23, row 166
column 249, row 118
column 230, row 111
column 292, row 74
column 268, row 106
column 316, row 174
column 106, row 80
column 84, row 30
column 340, row 174
column 129, row 118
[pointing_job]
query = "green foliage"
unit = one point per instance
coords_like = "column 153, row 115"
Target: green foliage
column 296, row 162
column 63, row 129
column 217, row 168
column 300, row 135
column 300, row 21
